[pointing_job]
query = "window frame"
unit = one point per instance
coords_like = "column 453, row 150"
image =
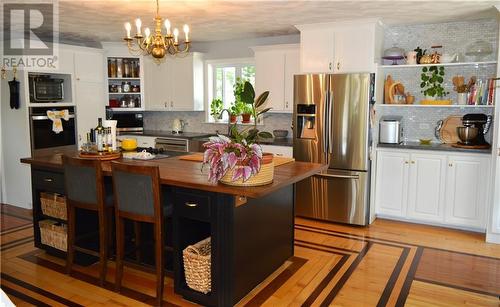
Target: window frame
column 210, row 71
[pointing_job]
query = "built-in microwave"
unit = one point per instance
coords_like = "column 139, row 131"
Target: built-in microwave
column 45, row 88
column 126, row 122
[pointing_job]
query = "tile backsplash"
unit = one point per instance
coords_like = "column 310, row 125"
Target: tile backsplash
column 196, row 122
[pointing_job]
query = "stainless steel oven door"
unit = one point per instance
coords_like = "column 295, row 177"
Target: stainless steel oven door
column 334, row 195
column 42, row 136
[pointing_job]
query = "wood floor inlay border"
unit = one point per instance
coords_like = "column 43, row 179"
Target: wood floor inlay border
column 24, row 297
column 403, row 295
column 389, row 287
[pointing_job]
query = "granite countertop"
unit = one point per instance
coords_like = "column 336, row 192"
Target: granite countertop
column 433, row 146
column 170, row 134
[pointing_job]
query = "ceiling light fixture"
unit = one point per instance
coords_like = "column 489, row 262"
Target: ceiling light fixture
column 156, row 44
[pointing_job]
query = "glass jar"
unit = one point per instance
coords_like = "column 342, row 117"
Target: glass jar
column 126, row 87
column 126, row 69
column 119, row 68
column 112, row 68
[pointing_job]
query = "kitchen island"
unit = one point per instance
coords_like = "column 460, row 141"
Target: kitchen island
column 251, row 228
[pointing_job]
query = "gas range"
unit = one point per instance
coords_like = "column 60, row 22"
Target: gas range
column 161, row 153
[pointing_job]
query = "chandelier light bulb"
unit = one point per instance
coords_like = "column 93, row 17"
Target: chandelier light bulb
column 186, row 32
column 138, row 24
column 167, row 25
column 127, row 28
column 147, row 32
column 176, row 36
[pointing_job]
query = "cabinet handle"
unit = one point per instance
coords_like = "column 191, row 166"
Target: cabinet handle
column 47, row 179
column 171, row 104
column 330, row 66
column 406, row 162
column 412, row 162
column 338, row 65
column 286, row 104
column 450, row 165
column 192, row 205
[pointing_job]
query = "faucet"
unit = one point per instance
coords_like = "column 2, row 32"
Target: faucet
column 228, row 120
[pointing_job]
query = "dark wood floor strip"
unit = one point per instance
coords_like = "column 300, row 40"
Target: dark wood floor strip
column 405, row 290
column 389, row 287
column 276, row 283
column 328, row 246
column 19, row 216
column 16, row 229
column 435, row 282
column 24, row 297
column 18, row 243
column 325, row 281
column 40, row 291
column 338, row 286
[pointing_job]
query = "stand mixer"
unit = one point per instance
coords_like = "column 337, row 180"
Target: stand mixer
column 477, row 122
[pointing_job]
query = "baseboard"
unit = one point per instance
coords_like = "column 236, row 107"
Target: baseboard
column 493, row 238
column 400, row 219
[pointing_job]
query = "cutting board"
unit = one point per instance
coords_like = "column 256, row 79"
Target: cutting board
column 448, row 132
column 198, row 157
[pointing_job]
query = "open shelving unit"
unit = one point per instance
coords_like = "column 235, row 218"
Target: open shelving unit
column 135, row 79
column 439, row 64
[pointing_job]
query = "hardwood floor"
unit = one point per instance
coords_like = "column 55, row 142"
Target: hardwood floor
column 387, row 264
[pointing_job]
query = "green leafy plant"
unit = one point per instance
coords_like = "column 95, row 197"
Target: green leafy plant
column 238, row 89
column 432, row 80
column 216, row 107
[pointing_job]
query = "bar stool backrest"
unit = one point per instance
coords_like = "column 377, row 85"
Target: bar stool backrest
column 83, row 180
column 137, row 189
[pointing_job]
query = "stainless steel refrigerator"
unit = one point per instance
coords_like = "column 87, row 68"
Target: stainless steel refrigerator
column 331, row 126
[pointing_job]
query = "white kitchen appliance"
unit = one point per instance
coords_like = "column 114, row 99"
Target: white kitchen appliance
column 178, row 125
column 391, row 130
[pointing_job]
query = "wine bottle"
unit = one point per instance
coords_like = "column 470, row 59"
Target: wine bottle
column 99, row 128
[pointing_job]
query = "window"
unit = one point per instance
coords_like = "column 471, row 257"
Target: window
column 221, row 80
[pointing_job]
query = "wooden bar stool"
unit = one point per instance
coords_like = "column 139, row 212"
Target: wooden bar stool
column 85, row 189
column 138, row 198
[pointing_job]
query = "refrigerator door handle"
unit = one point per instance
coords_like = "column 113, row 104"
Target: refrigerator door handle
column 330, row 119
column 325, row 124
column 338, row 176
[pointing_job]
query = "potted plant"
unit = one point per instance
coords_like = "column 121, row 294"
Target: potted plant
column 238, row 159
column 234, row 112
column 246, row 113
column 216, row 107
column 432, row 80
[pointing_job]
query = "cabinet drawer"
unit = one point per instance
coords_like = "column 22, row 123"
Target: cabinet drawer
column 48, row 179
column 192, row 205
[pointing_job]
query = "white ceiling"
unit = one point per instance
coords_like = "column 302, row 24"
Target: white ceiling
column 98, row 20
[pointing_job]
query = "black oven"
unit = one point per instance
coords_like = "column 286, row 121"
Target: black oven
column 126, row 121
column 43, row 138
column 44, row 88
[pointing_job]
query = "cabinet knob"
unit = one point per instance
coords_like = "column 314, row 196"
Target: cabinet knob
column 406, row 162
column 171, row 104
column 330, row 66
column 412, row 162
column 450, row 164
column 165, row 104
column 286, row 104
column 192, row 205
column 338, row 65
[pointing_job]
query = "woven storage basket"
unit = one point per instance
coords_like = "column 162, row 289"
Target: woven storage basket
column 53, row 205
column 54, row 234
column 197, row 266
column 263, row 177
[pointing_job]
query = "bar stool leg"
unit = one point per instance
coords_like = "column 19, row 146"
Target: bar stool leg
column 119, row 252
column 103, row 248
column 70, row 238
column 159, row 263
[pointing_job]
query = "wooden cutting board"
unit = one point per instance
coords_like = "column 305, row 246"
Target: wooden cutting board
column 198, row 157
column 448, row 132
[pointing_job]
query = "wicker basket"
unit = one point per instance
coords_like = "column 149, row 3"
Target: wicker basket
column 197, row 266
column 263, row 177
column 53, row 205
column 54, row 234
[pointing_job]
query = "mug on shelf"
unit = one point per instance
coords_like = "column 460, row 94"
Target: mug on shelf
column 411, row 57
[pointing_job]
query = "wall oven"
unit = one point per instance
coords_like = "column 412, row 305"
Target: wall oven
column 45, row 88
column 43, row 138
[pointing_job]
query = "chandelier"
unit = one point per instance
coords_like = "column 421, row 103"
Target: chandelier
column 156, row 44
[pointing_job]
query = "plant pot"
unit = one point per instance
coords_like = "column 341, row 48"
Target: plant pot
column 263, row 177
column 216, row 118
column 246, row 118
column 233, row 118
column 462, row 98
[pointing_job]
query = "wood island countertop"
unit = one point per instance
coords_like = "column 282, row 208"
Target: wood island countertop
column 188, row 174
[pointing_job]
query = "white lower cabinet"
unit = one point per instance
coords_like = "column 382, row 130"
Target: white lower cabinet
column 281, row 151
column 433, row 187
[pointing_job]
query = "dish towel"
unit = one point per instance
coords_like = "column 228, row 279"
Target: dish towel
column 55, row 117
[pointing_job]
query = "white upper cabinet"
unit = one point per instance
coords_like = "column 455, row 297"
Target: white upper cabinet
column 174, row 85
column 88, row 66
column 340, row 47
column 275, row 67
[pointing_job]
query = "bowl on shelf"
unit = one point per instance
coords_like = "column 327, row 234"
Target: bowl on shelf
column 280, row 134
column 467, row 134
column 479, row 50
column 425, row 141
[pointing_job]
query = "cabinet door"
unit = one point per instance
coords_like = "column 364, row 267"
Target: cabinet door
column 89, row 106
column 467, row 190
column 181, row 98
column 427, row 182
column 354, row 49
column 270, row 76
column 281, row 151
column 391, row 183
column 89, row 66
column 317, row 50
column 292, row 67
column 157, row 83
